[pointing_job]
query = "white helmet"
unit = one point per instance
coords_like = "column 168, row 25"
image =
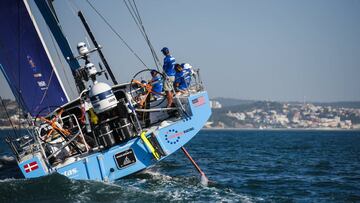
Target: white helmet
column 187, row 66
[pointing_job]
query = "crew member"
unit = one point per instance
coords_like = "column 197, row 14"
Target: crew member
column 169, row 69
column 188, row 67
column 182, row 79
column 157, row 83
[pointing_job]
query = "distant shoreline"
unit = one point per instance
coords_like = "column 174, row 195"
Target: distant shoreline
column 278, row 129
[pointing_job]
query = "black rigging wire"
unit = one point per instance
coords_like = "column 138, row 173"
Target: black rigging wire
column 135, row 19
column 142, row 25
column 62, row 65
column 116, row 33
column 19, row 59
column 135, row 14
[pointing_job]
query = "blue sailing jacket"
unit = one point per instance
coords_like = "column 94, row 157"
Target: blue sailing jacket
column 169, row 65
column 183, row 79
column 157, row 85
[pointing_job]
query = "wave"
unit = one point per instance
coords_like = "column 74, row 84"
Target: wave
column 179, row 188
column 7, row 158
column 149, row 185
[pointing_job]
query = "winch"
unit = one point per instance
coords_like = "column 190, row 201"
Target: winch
column 113, row 125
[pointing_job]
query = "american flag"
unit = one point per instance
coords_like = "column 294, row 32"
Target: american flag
column 199, row 101
column 31, row 166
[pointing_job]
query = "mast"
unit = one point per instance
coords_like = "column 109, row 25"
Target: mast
column 48, row 13
column 108, row 69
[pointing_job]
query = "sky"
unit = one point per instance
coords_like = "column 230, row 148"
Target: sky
column 279, row 50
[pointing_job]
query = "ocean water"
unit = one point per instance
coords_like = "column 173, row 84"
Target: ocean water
column 242, row 166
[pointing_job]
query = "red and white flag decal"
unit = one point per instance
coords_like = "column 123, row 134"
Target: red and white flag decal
column 31, row 166
column 199, row 101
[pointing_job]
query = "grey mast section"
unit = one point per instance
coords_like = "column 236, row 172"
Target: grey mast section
column 48, row 13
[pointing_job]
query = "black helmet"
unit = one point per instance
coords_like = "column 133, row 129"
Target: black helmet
column 153, row 71
column 165, row 50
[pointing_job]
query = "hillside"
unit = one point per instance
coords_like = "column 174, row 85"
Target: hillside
column 234, row 113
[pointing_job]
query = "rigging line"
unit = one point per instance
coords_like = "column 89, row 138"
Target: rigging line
column 136, row 17
column 72, row 5
column 142, row 25
column 8, row 116
column 47, row 88
column 136, row 21
column 140, row 20
column 116, row 33
column 19, row 68
column 136, row 11
column 61, row 63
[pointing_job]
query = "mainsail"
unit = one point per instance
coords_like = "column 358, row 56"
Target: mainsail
column 25, row 61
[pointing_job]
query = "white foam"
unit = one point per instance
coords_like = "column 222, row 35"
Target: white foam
column 204, row 181
column 178, row 189
column 9, row 180
column 7, row 158
column 157, row 175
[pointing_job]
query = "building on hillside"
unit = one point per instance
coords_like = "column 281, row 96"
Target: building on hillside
column 215, row 104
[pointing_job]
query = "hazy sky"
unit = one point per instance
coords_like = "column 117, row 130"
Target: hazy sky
column 282, row 50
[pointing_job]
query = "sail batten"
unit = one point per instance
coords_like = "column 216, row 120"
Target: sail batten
column 26, row 62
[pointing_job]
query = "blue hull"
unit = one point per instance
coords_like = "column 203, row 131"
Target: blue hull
column 130, row 157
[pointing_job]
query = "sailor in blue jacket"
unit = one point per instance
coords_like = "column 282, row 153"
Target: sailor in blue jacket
column 182, row 79
column 157, row 83
column 169, row 70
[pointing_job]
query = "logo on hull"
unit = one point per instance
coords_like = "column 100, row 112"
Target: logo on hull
column 70, row 172
column 173, row 136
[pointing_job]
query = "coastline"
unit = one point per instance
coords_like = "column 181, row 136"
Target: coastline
column 280, row 129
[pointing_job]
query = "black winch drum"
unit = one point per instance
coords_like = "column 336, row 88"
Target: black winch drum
column 119, row 137
column 126, row 128
column 106, row 137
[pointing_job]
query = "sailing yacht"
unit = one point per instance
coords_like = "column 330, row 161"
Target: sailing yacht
column 110, row 130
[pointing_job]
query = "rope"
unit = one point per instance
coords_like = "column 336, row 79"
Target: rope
column 19, row 59
column 61, row 63
column 116, row 33
column 137, row 23
column 135, row 14
column 73, row 7
column 142, row 25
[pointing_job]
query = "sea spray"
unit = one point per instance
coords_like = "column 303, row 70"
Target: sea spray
column 204, row 180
